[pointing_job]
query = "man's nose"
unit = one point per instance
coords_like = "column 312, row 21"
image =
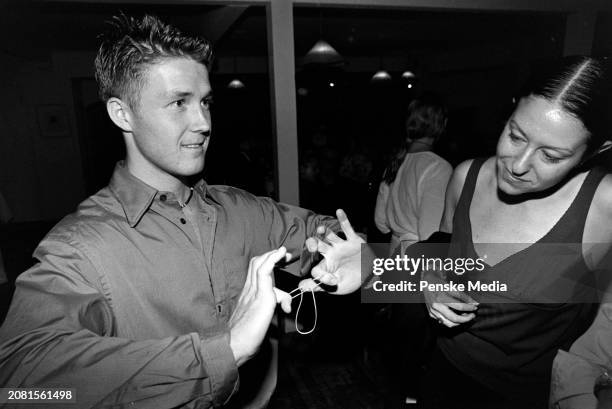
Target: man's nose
column 202, row 120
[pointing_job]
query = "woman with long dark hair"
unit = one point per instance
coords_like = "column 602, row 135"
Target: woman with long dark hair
column 510, row 210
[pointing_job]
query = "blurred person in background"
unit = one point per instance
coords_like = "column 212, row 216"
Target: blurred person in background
column 410, row 198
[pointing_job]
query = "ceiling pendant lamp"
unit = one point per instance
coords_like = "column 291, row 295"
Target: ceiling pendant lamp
column 408, row 75
column 381, row 76
column 235, row 84
column 322, row 53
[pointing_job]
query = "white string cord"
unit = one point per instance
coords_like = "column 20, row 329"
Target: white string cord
column 297, row 313
column 294, row 294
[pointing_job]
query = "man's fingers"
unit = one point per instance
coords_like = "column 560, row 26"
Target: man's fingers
column 284, row 299
column 324, row 277
column 323, row 247
column 332, row 237
column 268, row 260
column 345, row 224
column 251, row 278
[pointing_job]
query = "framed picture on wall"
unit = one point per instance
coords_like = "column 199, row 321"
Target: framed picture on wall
column 53, row 121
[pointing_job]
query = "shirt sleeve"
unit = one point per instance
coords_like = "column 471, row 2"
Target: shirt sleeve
column 431, row 204
column 290, row 226
column 59, row 333
column 574, row 372
column 380, row 212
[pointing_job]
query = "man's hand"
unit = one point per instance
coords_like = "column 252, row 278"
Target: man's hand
column 341, row 264
column 251, row 318
column 443, row 307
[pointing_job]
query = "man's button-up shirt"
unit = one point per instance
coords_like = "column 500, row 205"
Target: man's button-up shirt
column 131, row 296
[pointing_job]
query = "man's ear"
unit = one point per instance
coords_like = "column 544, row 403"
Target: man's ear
column 119, row 113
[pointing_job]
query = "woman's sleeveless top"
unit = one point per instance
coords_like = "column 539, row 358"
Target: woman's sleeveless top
column 550, row 301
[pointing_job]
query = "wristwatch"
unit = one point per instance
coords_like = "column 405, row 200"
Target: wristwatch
column 603, row 381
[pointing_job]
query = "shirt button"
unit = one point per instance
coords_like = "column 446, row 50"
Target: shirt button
column 183, row 221
column 219, row 308
column 163, row 198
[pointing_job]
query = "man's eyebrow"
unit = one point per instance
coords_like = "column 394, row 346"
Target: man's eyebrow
column 179, row 94
column 554, row 148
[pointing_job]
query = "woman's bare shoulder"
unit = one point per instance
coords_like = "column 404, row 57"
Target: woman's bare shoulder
column 462, row 169
column 598, row 228
column 602, row 200
column 457, row 180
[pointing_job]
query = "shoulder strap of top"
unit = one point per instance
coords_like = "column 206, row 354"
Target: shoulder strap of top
column 587, row 190
column 462, row 230
column 469, row 185
column 579, row 209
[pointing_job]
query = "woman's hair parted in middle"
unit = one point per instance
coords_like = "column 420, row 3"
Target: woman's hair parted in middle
column 581, row 87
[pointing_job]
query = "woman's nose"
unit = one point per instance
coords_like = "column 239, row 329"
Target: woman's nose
column 521, row 163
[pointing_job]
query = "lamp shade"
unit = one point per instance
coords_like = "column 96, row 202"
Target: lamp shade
column 408, row 74
column 322, row 53
column 235, row 84
column 380, row 76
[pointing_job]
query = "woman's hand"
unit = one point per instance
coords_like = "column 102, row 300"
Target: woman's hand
column 450, row 308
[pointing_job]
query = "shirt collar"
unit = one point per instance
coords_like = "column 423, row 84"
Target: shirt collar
column 133, row 194
column 136, row 197
column 204, row 191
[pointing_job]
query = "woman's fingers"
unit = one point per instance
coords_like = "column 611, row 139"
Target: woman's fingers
column 464, row 298
column 312, row 244
column 447, row 323
column 459, row 306
column 449, row 317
